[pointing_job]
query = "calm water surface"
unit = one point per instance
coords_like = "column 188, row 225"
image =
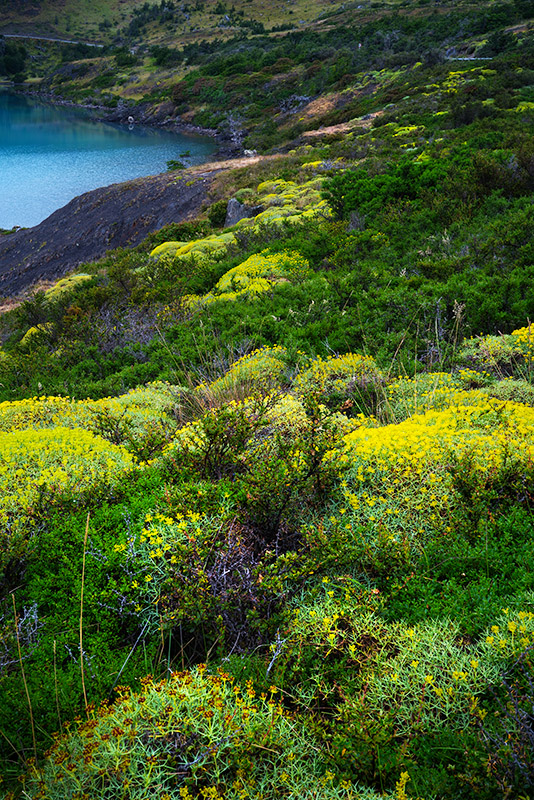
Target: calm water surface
column 49, row 154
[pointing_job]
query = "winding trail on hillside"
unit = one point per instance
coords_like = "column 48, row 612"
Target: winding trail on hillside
column 47, row 39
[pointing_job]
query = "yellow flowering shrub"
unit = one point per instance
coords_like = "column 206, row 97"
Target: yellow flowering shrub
column 275, row 213
column 408, row 130
column 439, row 390
column 263, row 367
column 397, row 487
column 457, row 78
column 66, row 285
column 523, row 341
column 280, row 193
column 35, row 331
column 281, row 200
column 432, row 390
column 339, row 375
column 422, row 675
column 511, row 634
column 418, row 677
column 42, row 412
column 167, row 249
column 258, row 274
column 209, row 244
column 494, row 352
column 139, row 409
column 487, row 429
column 263, row 265
column 59, row 459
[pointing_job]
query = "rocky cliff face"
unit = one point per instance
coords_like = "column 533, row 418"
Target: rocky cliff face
column 120, row 215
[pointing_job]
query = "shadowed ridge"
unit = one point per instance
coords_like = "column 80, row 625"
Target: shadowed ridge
column 120, row 215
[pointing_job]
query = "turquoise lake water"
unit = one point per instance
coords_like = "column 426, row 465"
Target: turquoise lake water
column 50, row 154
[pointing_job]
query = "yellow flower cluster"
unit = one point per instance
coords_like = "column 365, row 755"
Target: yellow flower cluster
column 287, row 199
column 141, row 407
column 210, row 245
column 337, row 373
column 432, row 390
column 458, row 78
column 524, row 341
column 512, row 633
column 41, row 412
column 491, row 351
column 67, row 285
column 408, row 130
column 57, row 459
column 256, row 275
column 487, row 429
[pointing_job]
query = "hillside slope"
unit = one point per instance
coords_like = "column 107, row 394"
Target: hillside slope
column 267, row 482
column 119, row 215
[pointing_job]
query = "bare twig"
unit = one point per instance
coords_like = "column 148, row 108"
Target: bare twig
column 24, row 676
column 81, row 611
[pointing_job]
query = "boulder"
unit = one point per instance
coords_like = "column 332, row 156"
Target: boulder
column 236, row 211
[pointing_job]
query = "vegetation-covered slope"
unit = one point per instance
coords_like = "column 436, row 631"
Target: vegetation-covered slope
column 159, row 21
column 267, row 489
column 261, row 82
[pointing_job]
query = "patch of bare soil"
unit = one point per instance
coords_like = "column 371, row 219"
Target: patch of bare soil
column 9, row 304
column 344, row 127
column 321, row 106
column 230, row 163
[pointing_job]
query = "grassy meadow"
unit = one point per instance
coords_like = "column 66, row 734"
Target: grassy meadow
column 266, row 517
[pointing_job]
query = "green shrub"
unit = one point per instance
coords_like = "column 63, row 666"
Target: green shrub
column 217, row 213
column 195, row 735
column 358, row 191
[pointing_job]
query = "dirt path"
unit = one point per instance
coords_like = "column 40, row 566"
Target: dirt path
column 344, row 127
column 47, row 39
column 230, row 163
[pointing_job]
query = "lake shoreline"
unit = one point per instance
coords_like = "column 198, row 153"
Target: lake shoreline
column 80, row 232
column 147, row 115
column 91, row 151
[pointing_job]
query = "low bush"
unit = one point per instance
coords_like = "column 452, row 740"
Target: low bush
column 195, row 735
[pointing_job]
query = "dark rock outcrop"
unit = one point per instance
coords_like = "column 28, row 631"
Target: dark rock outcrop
column 120, row 215
column 236, row 211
